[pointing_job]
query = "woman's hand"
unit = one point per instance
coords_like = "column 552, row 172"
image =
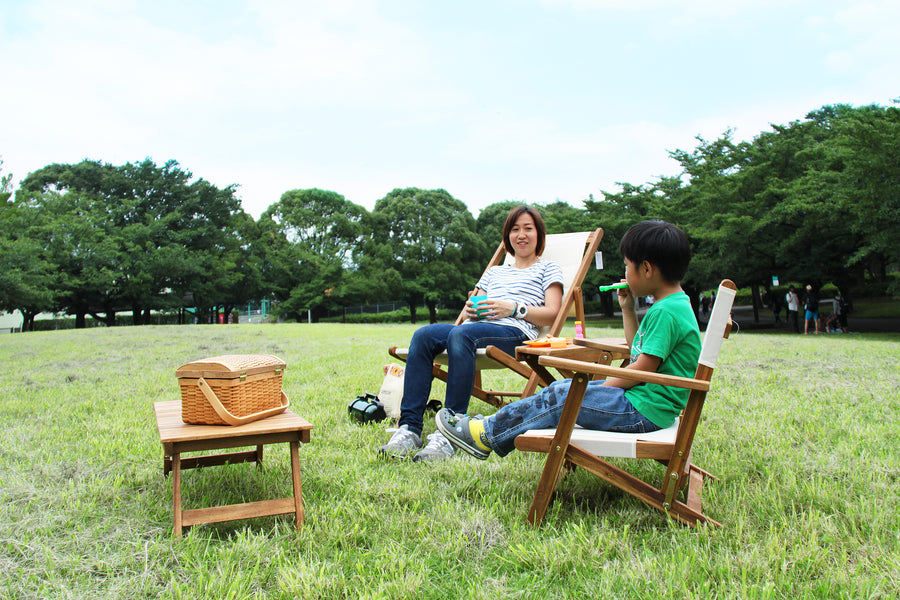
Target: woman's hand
column 491, row 309
column 470, row 306
column 497, row 309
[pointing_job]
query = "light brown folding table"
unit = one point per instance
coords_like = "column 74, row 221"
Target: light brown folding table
column 599, row 350
column 178, row 437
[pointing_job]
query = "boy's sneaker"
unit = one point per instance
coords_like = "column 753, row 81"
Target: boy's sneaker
column 438, row 448
column 456, row 428
column 402, row 443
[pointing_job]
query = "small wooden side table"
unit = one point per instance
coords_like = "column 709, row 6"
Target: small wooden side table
column 178, row 437
column 598, row 350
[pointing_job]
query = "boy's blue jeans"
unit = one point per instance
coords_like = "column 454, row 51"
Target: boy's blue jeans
column 460, row 341
column 604, row 409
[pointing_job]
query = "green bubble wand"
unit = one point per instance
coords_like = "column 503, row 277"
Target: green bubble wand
column 615, row 286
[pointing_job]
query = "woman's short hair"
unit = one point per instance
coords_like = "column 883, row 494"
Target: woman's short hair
column 514, row 215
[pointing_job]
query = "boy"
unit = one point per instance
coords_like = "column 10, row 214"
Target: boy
column 667, row 340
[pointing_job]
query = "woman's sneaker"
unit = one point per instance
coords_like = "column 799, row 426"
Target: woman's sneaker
column 402, row 443
column 438, row 448
column 456, row 428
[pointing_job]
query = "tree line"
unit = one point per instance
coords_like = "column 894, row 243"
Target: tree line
column 813, row 201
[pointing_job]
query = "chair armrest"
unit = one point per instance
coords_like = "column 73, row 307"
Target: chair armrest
column 632, row 374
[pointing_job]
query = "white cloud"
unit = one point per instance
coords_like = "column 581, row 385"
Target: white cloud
column 360, row 97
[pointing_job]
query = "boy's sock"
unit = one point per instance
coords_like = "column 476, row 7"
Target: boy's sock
column 476, row 429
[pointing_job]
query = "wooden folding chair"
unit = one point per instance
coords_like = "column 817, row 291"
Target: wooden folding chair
column 573, row 252
column 569, row 444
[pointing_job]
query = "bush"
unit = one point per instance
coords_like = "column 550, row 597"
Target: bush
column 122, row 320
column 394, row 316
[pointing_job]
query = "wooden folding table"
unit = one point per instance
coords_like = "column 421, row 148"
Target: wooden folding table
column 178, row 437
column 598, row 350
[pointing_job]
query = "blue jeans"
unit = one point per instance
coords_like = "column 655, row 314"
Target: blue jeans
column 460, row 341
column 604, row 409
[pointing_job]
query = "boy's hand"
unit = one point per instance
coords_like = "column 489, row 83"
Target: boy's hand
column 626, row 299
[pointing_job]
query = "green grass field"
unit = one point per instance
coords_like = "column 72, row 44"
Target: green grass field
column 803, row 432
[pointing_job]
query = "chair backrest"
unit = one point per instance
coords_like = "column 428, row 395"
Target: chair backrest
column 717, row 329
column 719, row 324
column 566, row 250
column 573, row 252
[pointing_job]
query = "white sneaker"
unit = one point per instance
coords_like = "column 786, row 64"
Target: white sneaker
column 438, row 448
column 402, row 443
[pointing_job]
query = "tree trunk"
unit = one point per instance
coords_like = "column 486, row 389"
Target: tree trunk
column 109, row 319
column 754, row 293
column 28, row 319
column 607, row 304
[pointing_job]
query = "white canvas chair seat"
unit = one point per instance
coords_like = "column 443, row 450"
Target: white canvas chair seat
column 574, row 253
column 655, row 444
column 482, row 360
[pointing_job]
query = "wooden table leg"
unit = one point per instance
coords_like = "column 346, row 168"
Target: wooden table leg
column 295, row 475
column 176, row 492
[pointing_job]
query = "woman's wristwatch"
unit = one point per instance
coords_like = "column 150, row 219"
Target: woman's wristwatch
column 520, row 311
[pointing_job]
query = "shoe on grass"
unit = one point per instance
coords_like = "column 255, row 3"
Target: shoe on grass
column 402, row 444
column 455, row 428
column 437, row 448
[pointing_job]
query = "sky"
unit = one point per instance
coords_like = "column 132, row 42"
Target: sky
column 491, row 100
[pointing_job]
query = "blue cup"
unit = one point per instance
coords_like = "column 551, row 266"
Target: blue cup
column 476, row 300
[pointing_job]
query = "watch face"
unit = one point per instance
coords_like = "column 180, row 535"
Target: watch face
column 522, row 310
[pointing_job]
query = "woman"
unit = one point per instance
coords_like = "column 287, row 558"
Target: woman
column 521, row 297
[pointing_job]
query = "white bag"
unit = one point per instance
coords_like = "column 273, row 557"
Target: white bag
column 392, row 390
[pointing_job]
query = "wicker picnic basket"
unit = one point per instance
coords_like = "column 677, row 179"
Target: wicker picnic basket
column 231, row 389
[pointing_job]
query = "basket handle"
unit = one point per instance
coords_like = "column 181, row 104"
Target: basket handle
column 229, row 418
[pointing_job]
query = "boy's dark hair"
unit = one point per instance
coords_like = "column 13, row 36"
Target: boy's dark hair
column 659, row 243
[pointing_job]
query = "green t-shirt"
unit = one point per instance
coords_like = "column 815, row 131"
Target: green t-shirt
column 668, row 331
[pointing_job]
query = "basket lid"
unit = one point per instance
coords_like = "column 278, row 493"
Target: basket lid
column 231, row 366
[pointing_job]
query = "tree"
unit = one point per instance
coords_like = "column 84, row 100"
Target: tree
column 489, row 225
column 433, row 246
column 25, row 274
column 867, row 141
column 562, row 217
column 137, row 236
column 324, row 229
column 5, row 185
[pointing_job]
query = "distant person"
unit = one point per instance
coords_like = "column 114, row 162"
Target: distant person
column 831, row 321
column 776, row 307
column 704, row 304
column 811, row 304
column 793, row 307
column 842, row 310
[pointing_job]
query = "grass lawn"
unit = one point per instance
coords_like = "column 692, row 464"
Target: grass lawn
column 803, row 432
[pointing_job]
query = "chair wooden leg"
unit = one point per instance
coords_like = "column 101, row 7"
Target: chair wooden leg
column 695, row 488
column 556, row 458
column 639, row 489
